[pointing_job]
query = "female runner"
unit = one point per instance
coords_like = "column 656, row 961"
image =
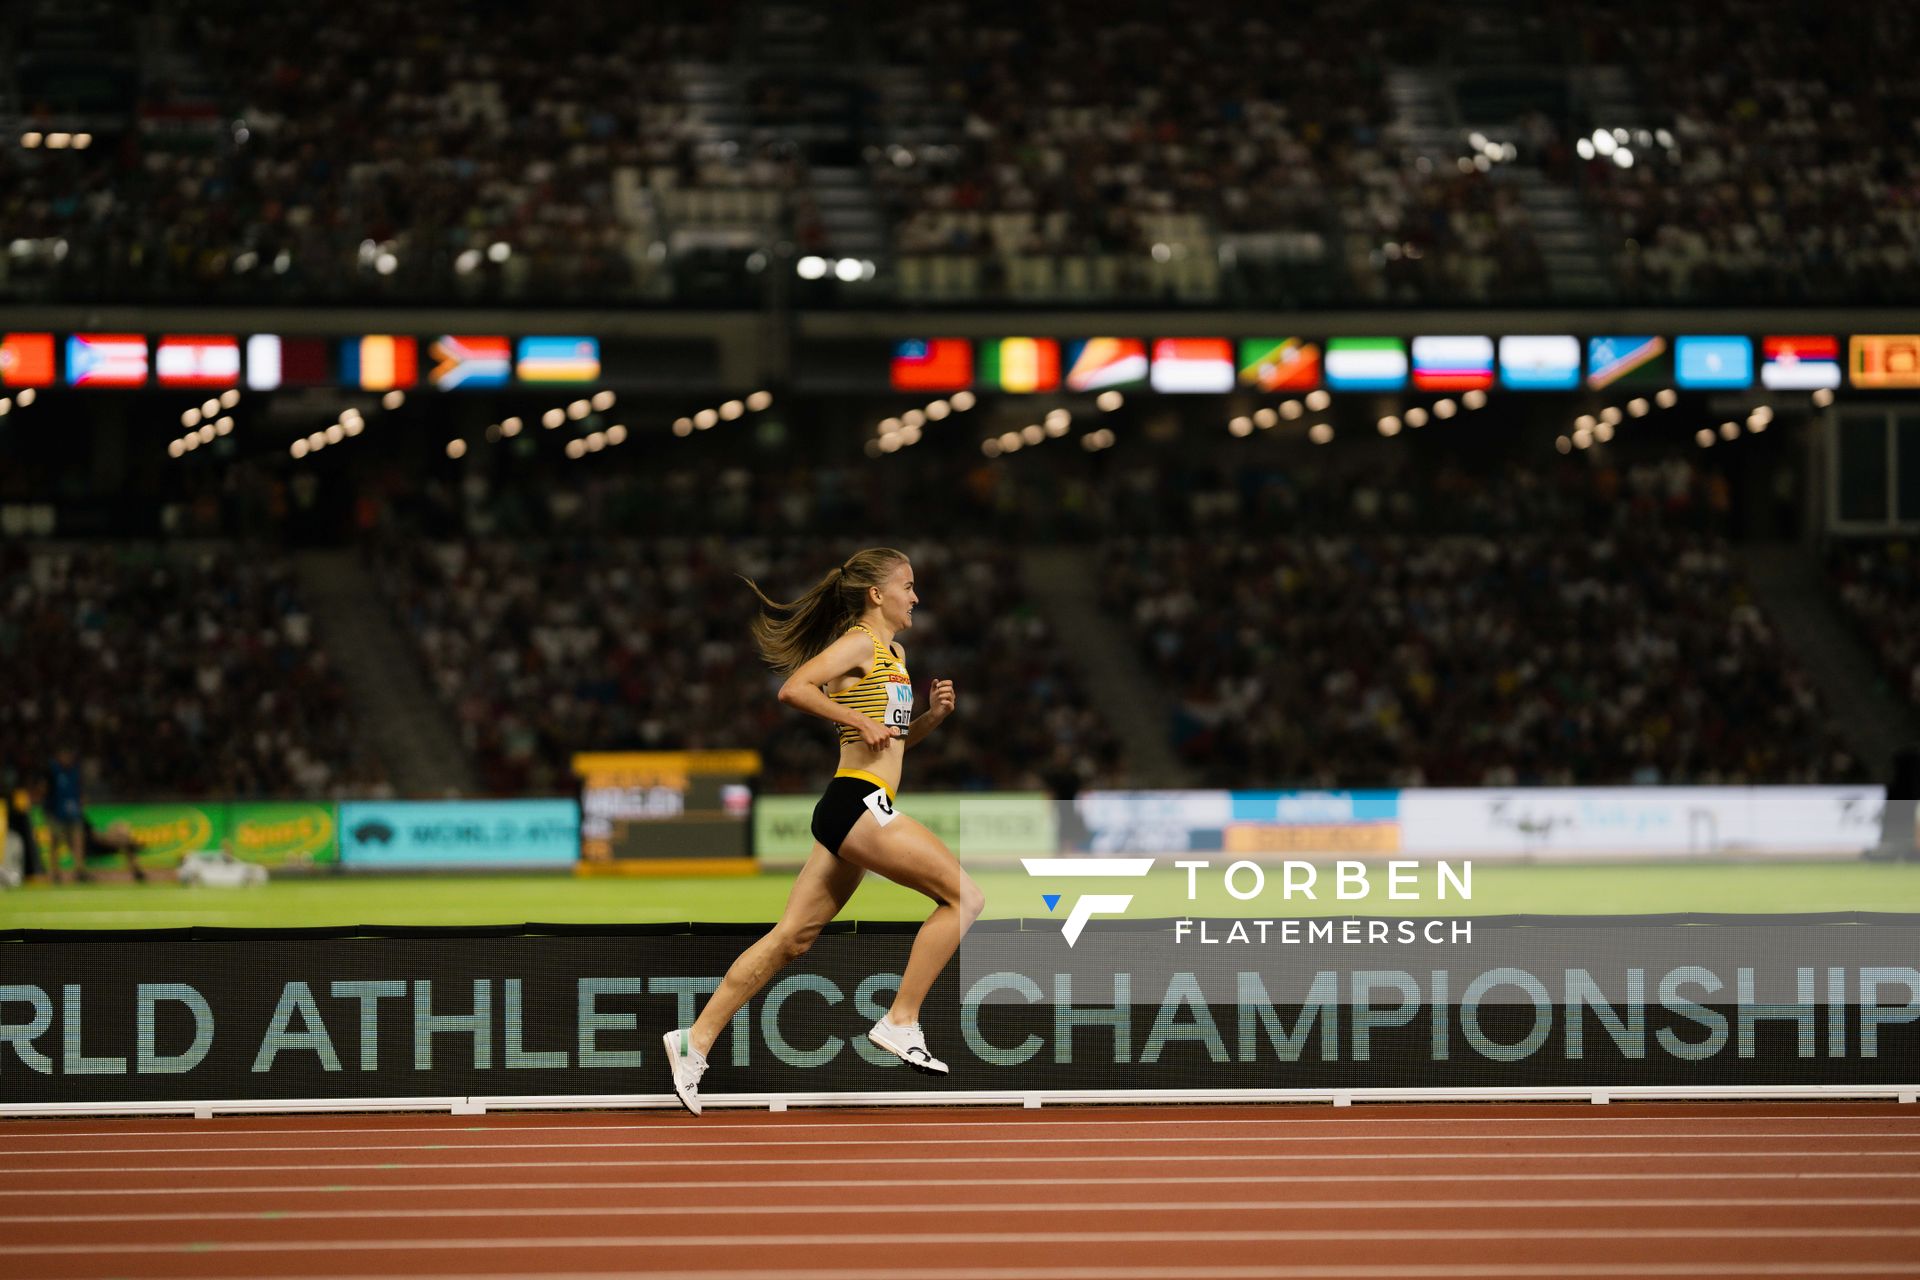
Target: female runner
column 836, row 646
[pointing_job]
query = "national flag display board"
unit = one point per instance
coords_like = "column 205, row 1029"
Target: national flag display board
column 1715, row 362
column 469, row 362
column 107, row 360
column 1805, row 363
column 26, row 360
column 1366, row 364
column 1452, row 362
column 1540, row 362
column 1021, row 365
column 1192, row 365
column 558, row 359
column 380, row 362
column 1280, row 365
column 1641, row 361
column 205, row 360
column 1106, row 364
column 932, row 364
column 1884, row 361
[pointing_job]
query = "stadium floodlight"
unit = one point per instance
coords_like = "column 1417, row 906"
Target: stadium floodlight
column 1106, row 401
column 1416, row 417
column 393, row 399
column 499, row 251
column 190, row 418
column 175, row 448
column 1320, row 433
column 705, row 419
column 760, row 400
column 1729, row 431
column 578, row 410
column 616, row 434
column 1822, row 398
column 26, row 397
column 847, row 270
column 1241, row 426
column 229, row 398
column 1563, row 444
column 576, row 449
column 1389, row 426
column 456, row 448
column 1638, row 406
column 732, row 409
column 935, row 411
column 298, row 448
column 223, row 426
column 811, row 267
column 683, row 426
column 552, row 418
column 510, row 427
column 1603, row 433
column 990, row 447
column 964, row 400
column 596, row 441
column 30, row 140
column 1318, row 400
column 1666, row 398
column 1266, row 418
column 1704, row 437
column 1032, row 433
column 602, row 401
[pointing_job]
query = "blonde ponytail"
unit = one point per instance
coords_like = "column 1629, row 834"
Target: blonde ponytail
column 789, row 634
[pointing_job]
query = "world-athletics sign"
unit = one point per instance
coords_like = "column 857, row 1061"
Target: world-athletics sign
column 234, row 1015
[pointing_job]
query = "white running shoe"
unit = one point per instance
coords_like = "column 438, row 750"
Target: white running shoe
column 909, row 1044
column 688, row 1065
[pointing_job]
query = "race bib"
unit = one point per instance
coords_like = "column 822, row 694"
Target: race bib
column 880, row 807
column 899, row 705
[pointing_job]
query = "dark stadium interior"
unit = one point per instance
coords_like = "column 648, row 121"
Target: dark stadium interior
column 757, row 196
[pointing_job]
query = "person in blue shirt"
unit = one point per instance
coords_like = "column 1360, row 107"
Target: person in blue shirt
column 66, row 818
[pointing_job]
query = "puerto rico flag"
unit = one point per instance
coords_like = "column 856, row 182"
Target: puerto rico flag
column 107, row 360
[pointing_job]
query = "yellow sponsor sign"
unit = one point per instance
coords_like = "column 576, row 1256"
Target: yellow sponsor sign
column 1345, row 837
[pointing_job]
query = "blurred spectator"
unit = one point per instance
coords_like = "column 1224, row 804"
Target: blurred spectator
column 1878, row 583
column 167, row 676
column 1634, row 656
column 542, row 650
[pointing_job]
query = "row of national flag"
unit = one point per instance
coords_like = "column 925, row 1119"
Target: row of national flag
column 371, row 362
column 1436, row 363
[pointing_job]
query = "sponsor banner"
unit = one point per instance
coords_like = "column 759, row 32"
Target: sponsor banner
column 1540, row 362
column 1192, row 365
column 976, row 826
column 1452, row 362
column 1245, row 822
column 1142, row 1005
column 1106, row 364
column 1800, row 363
column 1714, row 362
column 1884, row 361
column 446, row 835
column 278, row 836
column 1605, row 822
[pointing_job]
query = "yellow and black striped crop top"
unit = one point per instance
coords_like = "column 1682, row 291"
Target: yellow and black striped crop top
column 884, row 694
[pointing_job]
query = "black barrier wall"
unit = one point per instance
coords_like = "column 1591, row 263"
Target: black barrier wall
column 229, row 1015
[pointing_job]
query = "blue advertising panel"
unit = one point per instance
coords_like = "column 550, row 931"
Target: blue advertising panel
column 449, row 835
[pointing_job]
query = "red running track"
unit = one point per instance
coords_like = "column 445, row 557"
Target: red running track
column 1099, row 1193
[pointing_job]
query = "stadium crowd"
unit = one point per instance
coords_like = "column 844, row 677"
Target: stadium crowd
column 540, row 649
column 1790, row 172
column 1553, row 640
column 1878, row 585
column 181, row 674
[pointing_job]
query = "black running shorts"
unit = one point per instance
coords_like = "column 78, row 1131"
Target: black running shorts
column 844, row 801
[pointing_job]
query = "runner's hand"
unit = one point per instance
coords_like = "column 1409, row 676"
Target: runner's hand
column 940, row 699
column 875, row 735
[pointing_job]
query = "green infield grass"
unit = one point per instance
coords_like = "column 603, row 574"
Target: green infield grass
column 1498, row 889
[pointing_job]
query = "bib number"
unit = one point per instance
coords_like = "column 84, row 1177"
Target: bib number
column 880, row 807
column 899, row 705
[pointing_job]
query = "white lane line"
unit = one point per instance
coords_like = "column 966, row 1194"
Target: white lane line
column 1636, row 1177
column 1229, row 1271
column 312, row 1166
column 1166, row 1117
column 1108, row 1206
column 906, row 1239
column 1000, row 1141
